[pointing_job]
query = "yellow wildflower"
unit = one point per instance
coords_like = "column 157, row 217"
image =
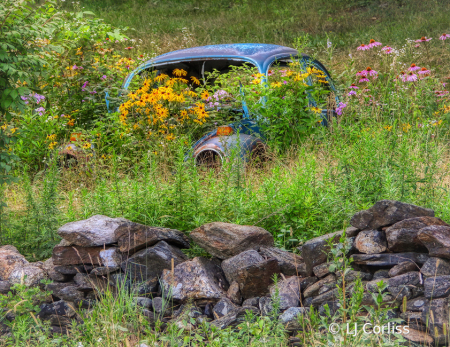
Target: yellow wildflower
column 51, row 137
column 316, row 109
column 388, row 127
column 195, row 80
column 179, row 72
column 406, row 127
column 52, row 145
column 205, row 95
column 256, row 81
column 161, row 77
column 87, row 145
column 276, row 84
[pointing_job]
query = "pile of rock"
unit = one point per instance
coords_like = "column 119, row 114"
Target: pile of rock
column 402, row 244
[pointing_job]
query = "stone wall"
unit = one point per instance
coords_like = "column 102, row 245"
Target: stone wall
column 402, row 244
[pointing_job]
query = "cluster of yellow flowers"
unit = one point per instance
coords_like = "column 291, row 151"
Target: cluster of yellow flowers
column 164, row 102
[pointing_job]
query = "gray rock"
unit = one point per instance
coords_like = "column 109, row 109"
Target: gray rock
column 95, row 231
column 329, row 307
column 436, row 239
column 10, row 260
column 58, row 308
column 313, row 289
column 265, row 306
column 353, row 275
column 371, row 242
column 255, row 280
column 387, row 212
column 224, row 240
column 416, row 304
column 143, row 302
column 402, row 268
column 162, row 306
column 407, row 285
column 77, row 255
column 65, row 291
column 389, row 259
column 132, row 237
column 28, row 274
column 383, row 273
column 151, row 262
column 234, row 318
column 315, row 251
column 403, row 236
column 87, row 283
column 148, row 288
column 5, row 287
column 369, row 301
column 417, row 336
column 104, row 270
column 436, row 267
column 251, row 302
column 72, row 270
column 435, row 314
column 322, row 270
column 233, row 265
column 234, row 293
column 290, row 318
column 331, row 295
column 290, row 264
column 223, row 307
column 288, row 292
column 49, row 269
column 437, row 287
column 196, row 279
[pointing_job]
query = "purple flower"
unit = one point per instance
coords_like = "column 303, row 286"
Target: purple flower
column 354, row 86
column 362, row 73
column 93, row 92
column 74, row 67
column 413, row 67
column 364, row 80
column 24, row 98
column 424, row 71
column 285, row 82
column 351, row 92
column 444, row 37
column 410, row 77
column 363, row 47
column 374, row 43
column 40, row 110
column 103, row 77
column 340, row 108
column 424, row 39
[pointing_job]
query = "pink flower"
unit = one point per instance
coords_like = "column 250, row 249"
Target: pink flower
column 418, row 45
column 441, row 93
column 374, row 43
column 444, row 37
column 351, row 92
column 411, row 77
column 370, row 72
column 413, row 67
column 103, row 77
column 354, row 86
column 74, row 67
column 129, row 48
column 424, row 71
column 363, row 47
column 364, row 80
column 362, row 73
column 387, row 50
column 424, row 39
column 340, row 108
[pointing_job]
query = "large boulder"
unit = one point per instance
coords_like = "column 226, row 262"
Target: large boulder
column 195, row 279
column 371, row 242
column 288, row 291
column 403, row 268
column 387, row 212
column 223, row 307
column 225, row 240
column 151, row 262
column 10, row 260
column 403, row 235
column 76, row 255
column 30, row 275
column 436, row 239
column 315, row 251
column 233, row 265
column 290, row 264
column 95, row 231
column 54, row 275
column 290, row 318
column 132, row 237
column 437, row 287
column 5, row 287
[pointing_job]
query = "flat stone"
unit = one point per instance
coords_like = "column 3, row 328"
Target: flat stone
column 437, row 287
column 28, row 274
column 389, row 259
column 435, row 313
column 383, row 273
column 225, row 240
column 322, row 270
column 371, row 242
column 251, row 302
column 65, row 291
column 353, row 275
column 417, row 336
column 315, row 251
column 290, row 318
column 331, row 295
column 10, row 260
column 288, row 292
column 132, row 237
column 196, row 279
column 5, row 287
column 436, row 239
column 234, row 294
column 402, row 268
column 49, row 269
column 151, row 262
column 387, row 212
column 87, row 283
column 234, row 318
column 143, row 302
column 416, row 304
column 266, row 306
column 76, row 255
column 104, row 270
column 223, row 307
column 72, row 270
column 436, row 267
column 58, row 308
column 329, row 306
column 290, row 264
column 232, row 265
column 403, row 236
column 313, row 289
column 95, row 231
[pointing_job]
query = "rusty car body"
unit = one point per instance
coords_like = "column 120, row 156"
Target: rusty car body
column 245, row 136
